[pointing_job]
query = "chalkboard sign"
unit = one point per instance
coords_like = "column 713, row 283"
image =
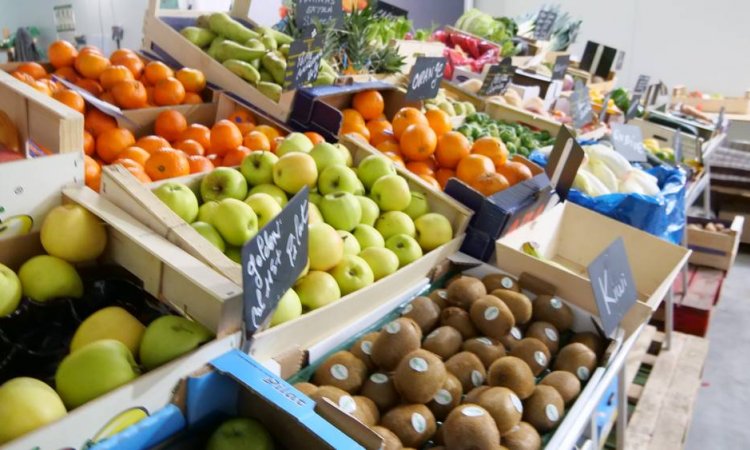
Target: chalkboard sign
column 613, row 285
column 633, row 108
column 628, row 141
column 564, row 161
column 561, row 66
column 677, row 146
column 720, row 120
column 544, row 24
column 589, row 53
column 303, row 62
column 620, row 60
column 498, row 78
column 309, row 12
column 388, row 11
column 272, row 261
column 605, row 107
column 425, row 76
column 642, row 84
column 581, row 105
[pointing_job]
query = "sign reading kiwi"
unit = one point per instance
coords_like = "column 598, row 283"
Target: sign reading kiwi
column 272, row 261
column 613, row 285
column 425, row 76
column 303, row 63
column 311, row 12
column 498, row 78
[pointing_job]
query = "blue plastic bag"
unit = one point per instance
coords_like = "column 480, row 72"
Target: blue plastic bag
column 662, row 215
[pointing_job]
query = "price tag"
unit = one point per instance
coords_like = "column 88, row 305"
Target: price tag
column 561, row 66
column 425, row 76
column 308, row 12
column 564, row 161
column 498, row 78
column 303, row 62
column 605, row 106
column 633, row 108
column 641, row 85
column 388, row 11
column 628, row 141
column 581, row 105
column 272, row 261
column 677, row 146
column 613, row 285
column 544, row 23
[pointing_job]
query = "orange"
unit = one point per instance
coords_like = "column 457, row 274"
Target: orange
column 71, row 99
column 235, row 157
column 380, row 130
column 130, row 94
column 42, row 87
column 492, row 148
column 490, row 183
column 170, row 125
column 35, row 70
column 90, row 85
column 191, row 79
column 67, row 73
column 451, row 148
column 152, row 143
column 514, row 172
column 61, row 54
column 389, row 145
column 245, row 127
column 52, row 86
column 134, row 168
column 167, row 163
column 89, row 147
column 89, row 49
column 156, row 71
column 439, row 120
column 352, row 118
column 241, row 115
column 225, row 136
column 150, row 96
column 270, row 132
column 113, row 75
column 360, row 130
column 431, row 181
column 190, row 147
column 191, row 98
column 199, row 164
column 396, row 158
column 276, row 142
column 255, row 140
column 168, row 92
column 215, row 159
column 107, row 97
column 418, row 142
column 136, row 154
column 369, row 104
column 110, row 143
column 92, row 172
column 199, row 133
column 120, row 53
column 420, row 168
column 131, row 61
column 443, row 175
column 405, row 117
column 23, row 76
column 472, row 167
column 96, row 122
column 314, row 137
column 91, row 65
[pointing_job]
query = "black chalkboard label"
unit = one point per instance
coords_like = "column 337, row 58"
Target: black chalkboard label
column 303, row 62
column 498, row 78
column 587, row 60
column 677, row 146
column 581, row 105
column 425, row 76
column 633, row 108
column 613, row 285
column 544, row 23
column 388, row 11
column 561, row 66
column 564, row 161
column 272, row 261
column 310, row 12
column 642, row 84
column 605, row 107
column 628, row 141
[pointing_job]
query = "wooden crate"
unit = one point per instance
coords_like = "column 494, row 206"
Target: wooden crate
column 716, row 249
column 731, row 105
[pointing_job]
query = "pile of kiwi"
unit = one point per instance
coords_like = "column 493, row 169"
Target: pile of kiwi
column 477, row 365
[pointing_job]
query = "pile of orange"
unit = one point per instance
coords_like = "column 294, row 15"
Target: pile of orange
column 425, row 143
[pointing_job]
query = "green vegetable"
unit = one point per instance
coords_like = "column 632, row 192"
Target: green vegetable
column 223, row 25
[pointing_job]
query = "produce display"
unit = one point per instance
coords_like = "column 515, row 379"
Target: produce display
column 564, row 30
column 714, row 227
column 664, row 153
column 500, row 31
column 517, row 138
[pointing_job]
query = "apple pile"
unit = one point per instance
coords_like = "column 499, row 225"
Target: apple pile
column 364, row 222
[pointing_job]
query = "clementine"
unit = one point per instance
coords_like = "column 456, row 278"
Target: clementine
column 61, row 54
column 92, row 172
column 492, row 148
column 191, row 98
column 255, row 140
column 451, row 148
column 241, row 115
column 439, row 121
column 199, row 164
column 270, row 132
column 152, row 143
column 472, row 167
column 407, row 116
column 514, row 172
column 34, row 69
column 112, row 142
column 380, row 130
column 89, row 147
column 170, row 125
column 190, row 147
column 130, row 94
column 235, row 157
column 96, row 122
column 431, row 181
column 420, row 168
column 443, row 175
column 199, row 133
column 490, row 183
column 418, row 142
column 71, row 99
column 136, row 154
column 156, row 71
column 396, row 158
column 113, row 75
column 314, row 137
column 67, row 73
column 90, row 85
column 192, row 80
column 225, row 136
column 135, row 169
column 389, row 145
column 167, row 163
column 369, row 104
column 91, row 65
column 168, row 92
column 130, row 60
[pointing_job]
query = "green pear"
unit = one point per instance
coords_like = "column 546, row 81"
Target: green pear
column 170, row 337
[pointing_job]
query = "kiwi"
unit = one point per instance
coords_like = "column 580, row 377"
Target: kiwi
column 577, row 359
column 566, row 384
column 473, row 395
column 510, row 340
column 551, row 309
column 390, row 440
column 486, row 349
column 363, row 348
column 534, row 353
column 419, row 376
column 513, row 373
column 544, row 409
column 379, row 388
column 337, row 396
column 366, row 411
column 440, row 298
column 447, row 398
column 469, row 427
column 468, row 368
column 343, row 370
column 590, row 340
column 546, row 333
column 306, row 388
column 500, row 281
column 522, row 437
column 459, row 319
column 463, row 291
column 396, row 339
column 503, row 405
column 518, row 303
column 491, row 316
column 413, row 424
column 424, row 312
column 443, row 341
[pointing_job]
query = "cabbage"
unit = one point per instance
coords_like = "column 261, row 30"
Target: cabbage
column 476, row 22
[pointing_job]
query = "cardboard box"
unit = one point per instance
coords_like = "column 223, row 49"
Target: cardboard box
column 692, row 146
column 716, row 249
column 574, row 236
column 731, row 105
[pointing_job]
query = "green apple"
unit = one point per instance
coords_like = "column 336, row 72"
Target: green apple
column 433, row 230
column 341, row 210
column 10, row 291
column 16, row 226
column 257, row 168
column 391, row 193
column 207, row 211
column 338, row 178
column 382, row 261
column 240, row 433
column 274, row 191
column 289, row 308
column 25, row 405
column 94, row 370
column 180, row 199
column 293, row 143
column 111, row 322
column 45, row 277
column 368, row 236
column 305, row 269
column 352, row 274
column 265, row 207
column 405, row 247
column 313, row 214
column 223, row 182
column 210, row 233
column 326, row 155
column 360, row 189
column 314, row 197
column 317, row 289
column 235, row 221
column 170, row 337
column 418, row 205
column 392, row 223
column 373, row 167
column 351, row 245
column 295, row 170
column 370, row 210
column 345, row 153
column 72, row 233
column 325, row 247
column 234, row 253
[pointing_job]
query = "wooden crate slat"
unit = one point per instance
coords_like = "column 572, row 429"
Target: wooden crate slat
column 637, row 353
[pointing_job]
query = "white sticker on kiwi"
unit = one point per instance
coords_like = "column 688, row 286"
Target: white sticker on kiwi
column 506, row 282
column 516, row 402
column 491, row 313
column 366, row 347
column 477, row 379
column 407, row 309
column 347, row 404
column 339, row 372
column 540, row 358
column 433, row 335
column 418, row 422
column 552, row 413
column 555, row 303
column 443, row 397
column 583, row 373
column 551, row 334
column 442, row 293
column 484, row 341
column 379, row 378
column 418, row 364
column 516, row 333
column 472, row 411
column 393, row 327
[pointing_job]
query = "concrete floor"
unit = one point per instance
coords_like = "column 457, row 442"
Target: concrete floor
column 722, row 410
